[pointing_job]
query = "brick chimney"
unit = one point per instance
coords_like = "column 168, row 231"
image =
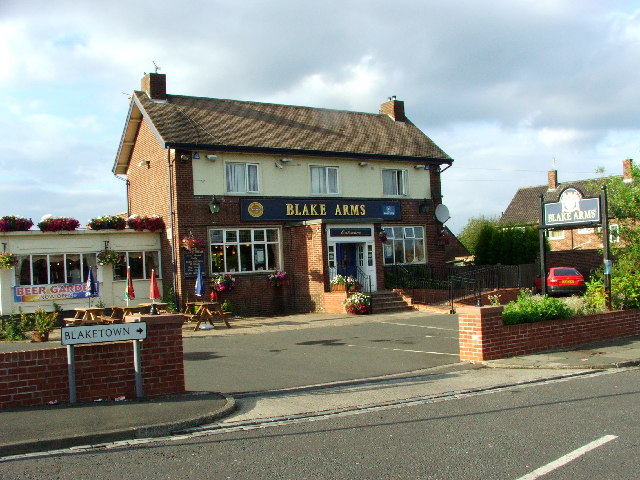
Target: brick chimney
column 394, row 108
column 155, row 86
column 553, row 179
column 626, row 170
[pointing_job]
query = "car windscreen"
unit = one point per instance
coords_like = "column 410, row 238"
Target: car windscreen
column 565, row 271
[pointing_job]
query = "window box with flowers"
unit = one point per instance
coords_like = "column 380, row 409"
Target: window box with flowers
column 11, row 223
column 278, row 278
column 192, row 244
column 341, row 283
column 49, row 223
column 107, row 222
column 107, row 257
column 140, row 223
column 358, row 303
column 223, row 283
column 8, row 260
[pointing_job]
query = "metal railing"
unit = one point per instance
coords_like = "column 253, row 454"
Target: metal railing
column 362, row 278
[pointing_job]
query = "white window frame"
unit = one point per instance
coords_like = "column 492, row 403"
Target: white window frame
column 400, row 182
column 554, row 235
column 124, row 262
column 325, row 184
column 246, row 187
column 91, row 261
column 407, row 237
column 259, row 237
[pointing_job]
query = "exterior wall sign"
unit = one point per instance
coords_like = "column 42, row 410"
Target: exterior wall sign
column 36, row 293
column 350, row 232
column 190, row 261
column 572, row 209
column 257, row 210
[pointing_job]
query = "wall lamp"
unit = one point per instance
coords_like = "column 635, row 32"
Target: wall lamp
column 212, row 157
column 423, row 167
column 214, row 205
column 144, row 162
column 363, row 164
column 196, row 155
column 286, row 160
column 424, row 206
column 184, row 158
column 278, row 164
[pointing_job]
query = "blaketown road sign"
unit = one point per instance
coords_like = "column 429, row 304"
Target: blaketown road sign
column 119, row 332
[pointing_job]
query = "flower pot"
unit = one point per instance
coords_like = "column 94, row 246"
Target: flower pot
column 40, row 336
column 338, row 288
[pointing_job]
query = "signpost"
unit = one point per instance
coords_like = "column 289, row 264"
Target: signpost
column 87, row 334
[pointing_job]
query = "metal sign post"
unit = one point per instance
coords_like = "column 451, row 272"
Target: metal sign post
column 120, row 332
column 605, row 247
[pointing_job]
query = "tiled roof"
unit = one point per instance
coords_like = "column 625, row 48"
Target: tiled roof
column 524, row 208
column 211, row 123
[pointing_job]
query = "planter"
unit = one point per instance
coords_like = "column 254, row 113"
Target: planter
column 338, row 288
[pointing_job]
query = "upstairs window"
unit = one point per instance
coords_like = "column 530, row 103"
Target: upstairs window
column 324, row 180
column 394, row 182
column 242, row 177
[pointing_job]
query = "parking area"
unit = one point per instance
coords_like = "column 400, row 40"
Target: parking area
column 309, row 350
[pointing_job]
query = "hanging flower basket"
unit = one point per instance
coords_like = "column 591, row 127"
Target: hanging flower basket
column 107, row 257
column 383, row 236
column 223, row 283
column 278, row 278
column 140, row 223
column 49, row 223
column 12, row 223
column 192, row 244
column 107, row 222
column 8, row 260
column 358, row 303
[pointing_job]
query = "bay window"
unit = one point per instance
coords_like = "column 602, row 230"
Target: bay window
column 404, row 245
column 244, row 250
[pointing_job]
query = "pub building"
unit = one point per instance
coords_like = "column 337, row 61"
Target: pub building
column 265, row 187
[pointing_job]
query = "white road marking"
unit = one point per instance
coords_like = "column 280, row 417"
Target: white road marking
column 419, row 326
column 569, row 457
column 405, row 350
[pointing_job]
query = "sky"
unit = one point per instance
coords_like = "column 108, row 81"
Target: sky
column 508, row 88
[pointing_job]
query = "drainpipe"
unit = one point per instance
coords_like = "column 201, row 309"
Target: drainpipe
column 171, row 226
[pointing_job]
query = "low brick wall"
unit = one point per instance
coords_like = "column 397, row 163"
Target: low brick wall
column 333, row 302
column 104, row 370
column 483, row 336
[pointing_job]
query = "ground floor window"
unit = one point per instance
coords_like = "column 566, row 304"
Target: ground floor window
column 405, row 244
column 141, row 264
column 244, row 249
column 56, row 268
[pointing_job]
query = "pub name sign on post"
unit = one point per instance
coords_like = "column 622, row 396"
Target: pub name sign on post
column 572, row 209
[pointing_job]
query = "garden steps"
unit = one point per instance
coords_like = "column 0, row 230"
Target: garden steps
column 388, row 301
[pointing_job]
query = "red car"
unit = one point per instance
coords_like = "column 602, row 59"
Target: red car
column 562, row 280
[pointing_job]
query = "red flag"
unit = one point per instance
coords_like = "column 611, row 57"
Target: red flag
column 129, row 294
column 153, row 287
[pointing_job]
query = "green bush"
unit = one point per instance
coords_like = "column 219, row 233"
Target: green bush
column 530, row 308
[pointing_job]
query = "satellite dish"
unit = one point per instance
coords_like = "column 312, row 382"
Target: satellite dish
column 442, row 213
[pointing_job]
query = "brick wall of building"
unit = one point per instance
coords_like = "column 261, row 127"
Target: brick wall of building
column 35, row 377
column 483, row 336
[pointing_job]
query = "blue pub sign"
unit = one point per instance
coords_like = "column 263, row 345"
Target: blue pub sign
column 294, row 209
column 572, row 209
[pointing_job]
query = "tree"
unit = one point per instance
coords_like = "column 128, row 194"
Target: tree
column 507, row 246
column 624, row 207
column 469, row 234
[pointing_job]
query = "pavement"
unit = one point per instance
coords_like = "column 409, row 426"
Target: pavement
column 62, row 426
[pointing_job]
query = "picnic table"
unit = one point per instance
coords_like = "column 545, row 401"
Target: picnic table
column 205, row 312
column 118, row 312
column 85, row 316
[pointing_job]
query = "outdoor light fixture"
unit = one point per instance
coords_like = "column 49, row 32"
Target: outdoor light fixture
column 144, row 162
column 214, row 205
column 278, row 164
column 212, row 157
column 196, row 155
column 184, row 158
column 285, row 160
column 363, row 164
column 424, row 206
column 423, row 167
